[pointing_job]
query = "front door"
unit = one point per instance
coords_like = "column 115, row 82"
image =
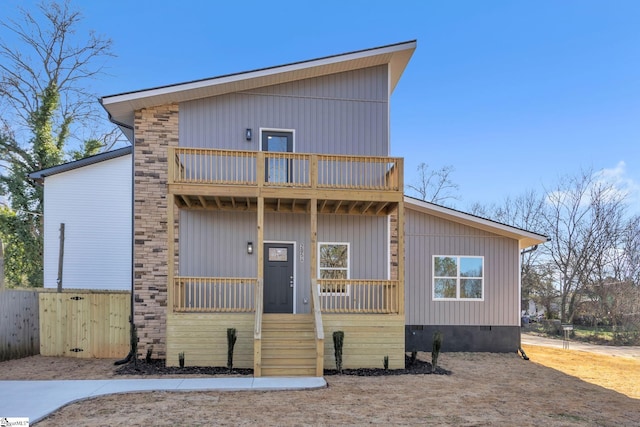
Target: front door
column 278, row 278
column 278, row 169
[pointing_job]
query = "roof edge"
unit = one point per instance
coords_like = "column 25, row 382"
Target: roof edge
column 526, row 238
column 40, row 175
column 258, row 70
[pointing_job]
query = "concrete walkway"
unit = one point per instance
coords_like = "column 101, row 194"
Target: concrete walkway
column 37, row 399
column 607, row 350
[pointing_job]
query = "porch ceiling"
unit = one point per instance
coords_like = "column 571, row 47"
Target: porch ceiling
column 285, row 205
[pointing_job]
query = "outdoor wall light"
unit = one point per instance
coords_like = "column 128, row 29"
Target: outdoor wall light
column 247, row 134
column 250, row 248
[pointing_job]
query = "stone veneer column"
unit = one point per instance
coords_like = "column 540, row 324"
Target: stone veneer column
column 155, row 130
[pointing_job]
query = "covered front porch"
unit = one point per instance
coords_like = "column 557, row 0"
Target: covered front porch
column 298, row 221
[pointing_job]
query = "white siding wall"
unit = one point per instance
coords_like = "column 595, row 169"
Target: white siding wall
column 94, row 203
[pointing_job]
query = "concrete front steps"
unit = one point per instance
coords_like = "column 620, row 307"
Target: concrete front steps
column 288, row 345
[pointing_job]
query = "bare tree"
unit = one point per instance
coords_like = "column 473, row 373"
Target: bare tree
column 583, row 218
column 44, row 104
column 435, row 185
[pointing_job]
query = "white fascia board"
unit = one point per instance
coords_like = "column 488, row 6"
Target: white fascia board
column 524, row 237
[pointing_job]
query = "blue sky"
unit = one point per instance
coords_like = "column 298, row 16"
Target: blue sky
column 512, row 94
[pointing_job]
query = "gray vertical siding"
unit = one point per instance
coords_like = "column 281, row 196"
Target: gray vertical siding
column 345, row 113
column 425, row 236
column 214, row 244
column 367, row 236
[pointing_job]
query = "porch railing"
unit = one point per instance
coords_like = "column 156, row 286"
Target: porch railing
column 276, row 169
column 214, row 294
column 242, row 295
column 358, row 296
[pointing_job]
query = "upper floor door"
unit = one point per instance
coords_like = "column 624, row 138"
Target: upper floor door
column 278, row 169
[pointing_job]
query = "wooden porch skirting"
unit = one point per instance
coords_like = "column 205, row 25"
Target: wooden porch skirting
column 368, row 338
column 202, row 337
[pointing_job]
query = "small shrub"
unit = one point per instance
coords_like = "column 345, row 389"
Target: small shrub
column 386, row 363
column 414, row 357
column 435, row 351
column 338, row 341
column 231, row 342
column 181, row 359
column 149, row 353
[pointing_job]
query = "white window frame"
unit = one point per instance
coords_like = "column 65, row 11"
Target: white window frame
column 291, row 131
column 348, row 269
column 458, row 278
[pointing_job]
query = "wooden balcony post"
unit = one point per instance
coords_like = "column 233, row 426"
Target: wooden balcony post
column 400, row 164
column 171, row 165
column 314, row 241
column 259, row 250
column 171, row 243
column 313, row 170
column 260, row 169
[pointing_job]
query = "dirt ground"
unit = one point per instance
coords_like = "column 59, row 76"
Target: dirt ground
column 555, row 388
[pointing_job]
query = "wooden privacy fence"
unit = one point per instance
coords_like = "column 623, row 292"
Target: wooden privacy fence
column 19, row 333
column 85, row 324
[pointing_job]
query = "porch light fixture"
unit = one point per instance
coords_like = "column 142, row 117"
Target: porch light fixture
column 250, row 248
column 247, row 134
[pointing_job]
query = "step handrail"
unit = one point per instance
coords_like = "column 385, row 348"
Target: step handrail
column 257, row 332
column 317, row 310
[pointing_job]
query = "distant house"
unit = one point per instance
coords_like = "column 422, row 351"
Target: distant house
column 267, row 201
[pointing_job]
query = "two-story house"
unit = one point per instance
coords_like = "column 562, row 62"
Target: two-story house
column 262, row 202
column 267, row 201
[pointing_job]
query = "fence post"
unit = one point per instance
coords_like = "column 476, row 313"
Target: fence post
column 61, row 257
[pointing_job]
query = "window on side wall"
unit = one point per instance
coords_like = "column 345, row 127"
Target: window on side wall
column 458, row 278
column 333, row 266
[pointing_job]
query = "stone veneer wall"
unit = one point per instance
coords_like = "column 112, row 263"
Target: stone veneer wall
column 155, row 130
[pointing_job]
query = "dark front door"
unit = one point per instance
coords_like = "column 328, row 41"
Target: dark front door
column 278, row 278
column 278, row 169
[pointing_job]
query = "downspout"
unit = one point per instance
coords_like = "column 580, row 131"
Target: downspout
column 526, row 251
column 132, row 331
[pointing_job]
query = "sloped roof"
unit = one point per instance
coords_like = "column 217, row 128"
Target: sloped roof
column 121, row 106
column 524, row 237
column 40, row 175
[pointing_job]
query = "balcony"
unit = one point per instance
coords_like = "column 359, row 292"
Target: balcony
column 232, row 179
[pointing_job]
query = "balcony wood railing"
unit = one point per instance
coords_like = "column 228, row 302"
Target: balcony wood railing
column 358, row 296
column 275, row 169
column 214, row 294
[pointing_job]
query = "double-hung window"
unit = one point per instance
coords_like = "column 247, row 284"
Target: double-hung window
column 458, row 278
column 333, row 264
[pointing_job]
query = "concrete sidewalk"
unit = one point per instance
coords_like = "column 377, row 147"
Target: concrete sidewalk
column 37, row 399
column 607, row 350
